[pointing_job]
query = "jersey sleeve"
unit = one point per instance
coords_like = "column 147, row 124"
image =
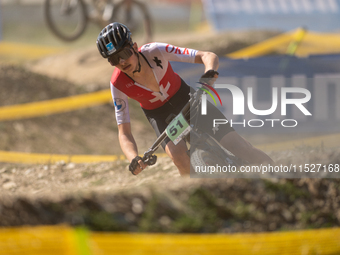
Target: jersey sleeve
column 120, row 101
column 174, row 53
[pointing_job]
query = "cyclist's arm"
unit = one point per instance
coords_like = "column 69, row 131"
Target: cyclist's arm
column 121, row 105
column 129, row 146
column 126, row 141
column 209, row 59
column 174, row 53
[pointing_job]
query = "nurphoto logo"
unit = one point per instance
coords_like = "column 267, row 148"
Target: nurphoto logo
column 239, row 105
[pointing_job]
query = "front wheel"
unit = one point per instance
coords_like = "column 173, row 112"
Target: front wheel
column 67, row 19
column 209, row 158
column 209, row 163
column 201, row 159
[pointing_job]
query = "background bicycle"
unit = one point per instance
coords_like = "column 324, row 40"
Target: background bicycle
column 68, row 19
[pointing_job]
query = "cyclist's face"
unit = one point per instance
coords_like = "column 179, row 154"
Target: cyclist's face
column 124, row 60
column 124, row 54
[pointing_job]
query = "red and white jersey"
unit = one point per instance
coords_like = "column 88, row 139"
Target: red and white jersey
column 158, row 56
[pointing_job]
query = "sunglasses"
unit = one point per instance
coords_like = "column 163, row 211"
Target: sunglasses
column 123, row 54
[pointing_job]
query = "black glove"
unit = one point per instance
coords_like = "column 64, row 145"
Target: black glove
column 208, row 76
column 134, row 163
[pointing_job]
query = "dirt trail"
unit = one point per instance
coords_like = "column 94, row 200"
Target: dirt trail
column 106, row 197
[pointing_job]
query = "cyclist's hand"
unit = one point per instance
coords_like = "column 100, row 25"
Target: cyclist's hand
column 209, row 77
column 137, row 165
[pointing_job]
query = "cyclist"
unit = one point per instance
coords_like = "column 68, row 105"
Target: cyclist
column 146, row 76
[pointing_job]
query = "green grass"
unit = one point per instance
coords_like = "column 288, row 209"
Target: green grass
column 287, row 189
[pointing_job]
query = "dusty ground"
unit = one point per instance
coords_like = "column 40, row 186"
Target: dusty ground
column 105, row 196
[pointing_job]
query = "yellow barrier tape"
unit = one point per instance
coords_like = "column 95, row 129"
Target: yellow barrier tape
column 62, row 240
column 262, row 48
column 49, row 240
column 309, row 43
column 293, row 45
column 323, row 241
column 54, row 106
column 319, row 43
column 26, row 51
column 36, row 158
column 82, row 240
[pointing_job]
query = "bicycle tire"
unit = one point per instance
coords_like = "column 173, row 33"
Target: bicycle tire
column 58, row 28
column 210, row 153
column 142, row 8
column 204, row 158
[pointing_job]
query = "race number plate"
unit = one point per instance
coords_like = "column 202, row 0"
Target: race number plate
column 177, row 129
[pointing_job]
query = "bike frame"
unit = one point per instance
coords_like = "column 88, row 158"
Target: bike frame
column 195, row 99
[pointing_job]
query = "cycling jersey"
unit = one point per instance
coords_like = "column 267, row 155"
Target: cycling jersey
column 158, row 56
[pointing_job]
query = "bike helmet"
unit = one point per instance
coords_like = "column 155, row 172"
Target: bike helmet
column 113, row 38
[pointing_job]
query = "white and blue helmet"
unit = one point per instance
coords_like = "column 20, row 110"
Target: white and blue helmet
column 113, row 38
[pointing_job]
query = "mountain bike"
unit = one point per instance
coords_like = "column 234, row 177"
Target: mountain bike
column 68, row 19
column 204, row 150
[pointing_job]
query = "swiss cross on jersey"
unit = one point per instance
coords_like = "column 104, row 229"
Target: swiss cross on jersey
column 162, row 95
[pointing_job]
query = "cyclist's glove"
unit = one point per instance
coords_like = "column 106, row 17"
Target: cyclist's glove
column 134, row 163
column 208, row 77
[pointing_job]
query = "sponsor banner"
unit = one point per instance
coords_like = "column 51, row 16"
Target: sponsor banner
column 320, row 15
column 276, row 94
